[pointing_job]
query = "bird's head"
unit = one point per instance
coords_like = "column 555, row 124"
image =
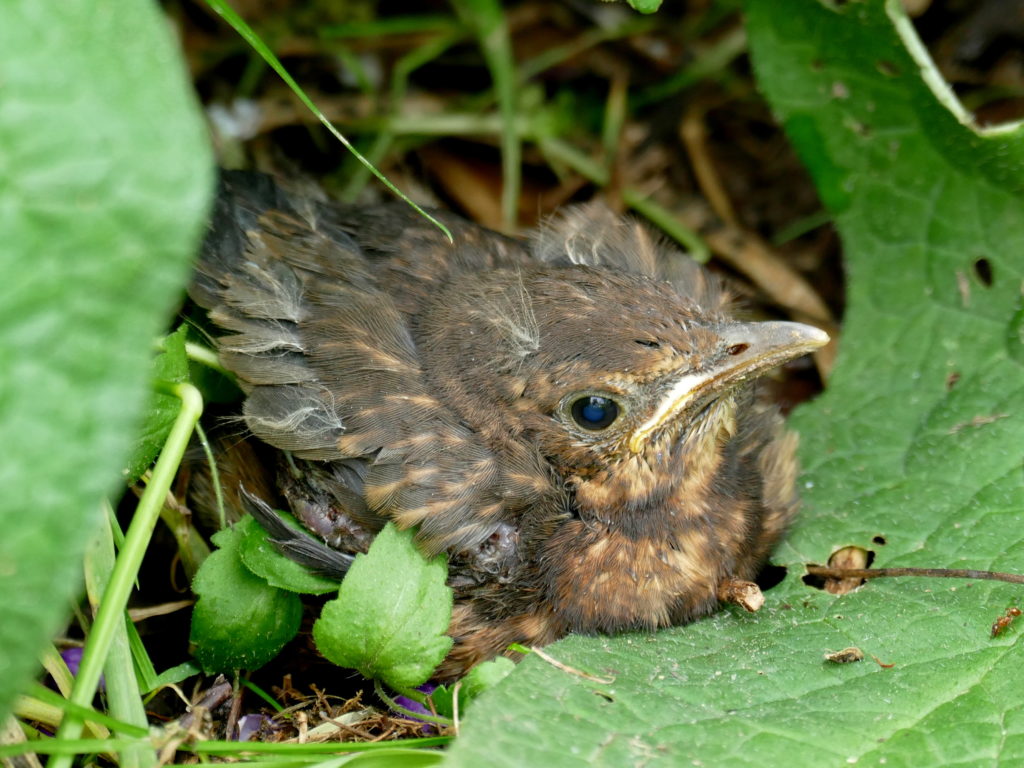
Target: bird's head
column 619, row 380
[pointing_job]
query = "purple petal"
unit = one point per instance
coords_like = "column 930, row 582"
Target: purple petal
column 249, row 726
column 414, row 706
column 73, row 658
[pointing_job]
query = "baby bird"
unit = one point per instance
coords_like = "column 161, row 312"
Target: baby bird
column 572, row 420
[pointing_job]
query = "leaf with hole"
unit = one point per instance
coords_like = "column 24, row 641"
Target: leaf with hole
column 917, row 443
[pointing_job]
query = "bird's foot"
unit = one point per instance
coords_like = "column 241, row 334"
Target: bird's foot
column 745, row 594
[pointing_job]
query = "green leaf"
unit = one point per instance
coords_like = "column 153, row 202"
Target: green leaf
column 170, row 365
column 391, row 614
column 240, row 621
column 915, row 452
column 398, row 757
column 645, row 6
column 174, row 675
column 481, row 678
column 485, row 676
column 106, row 178
column 260, row 557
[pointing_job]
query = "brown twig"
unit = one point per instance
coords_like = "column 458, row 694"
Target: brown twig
column 234, row 712
column 746, row 252
column 214, row 697
column 694, row 135
column 570, row 670
column 745, row 594
column 931, row 573
column 150, row 611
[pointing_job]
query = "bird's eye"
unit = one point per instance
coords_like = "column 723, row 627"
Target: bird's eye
column 594, row 412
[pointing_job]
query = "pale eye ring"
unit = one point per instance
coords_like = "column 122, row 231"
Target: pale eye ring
column 594, row 412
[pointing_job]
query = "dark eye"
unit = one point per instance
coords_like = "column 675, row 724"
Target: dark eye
column 594, row 411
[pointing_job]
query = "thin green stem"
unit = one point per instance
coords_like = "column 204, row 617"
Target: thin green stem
column 399, row 25
column 404, row 67
column 271, row 701
column 115, row 527
column 229, row 747
column 115, row 597
column 55, row 665
column 234, row 748
column 45, row 713
column 449, row 124
column 568, row 155
column 205, row 356
column 122, row 687
column 712, row 61
column 68, row 749
column 487, row 18
column 801, row 227
column 611, row 126
column 669, row 223
column 555, row 55
column 218, row 491
column 394, row 706
column 127, row 729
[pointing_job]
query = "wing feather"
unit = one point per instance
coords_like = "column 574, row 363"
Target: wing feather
column 327, row 360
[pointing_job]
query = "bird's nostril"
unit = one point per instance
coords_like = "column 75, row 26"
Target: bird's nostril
column 737, row 349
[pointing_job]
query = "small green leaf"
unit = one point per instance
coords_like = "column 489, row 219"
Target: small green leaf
column 240, row 621
column 442, row 698
column 263, row 559
column 391, row 614
column 487, row 675
column 169, row 365
column 645, row 6
column 481, row 678
column 174, row 675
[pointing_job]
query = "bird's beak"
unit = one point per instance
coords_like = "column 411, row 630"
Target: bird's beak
column 753, row 348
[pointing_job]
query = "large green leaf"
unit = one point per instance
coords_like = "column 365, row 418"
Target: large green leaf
column 105, row 176
column 915, row 451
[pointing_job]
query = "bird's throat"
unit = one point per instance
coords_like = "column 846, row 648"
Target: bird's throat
column 652, row 542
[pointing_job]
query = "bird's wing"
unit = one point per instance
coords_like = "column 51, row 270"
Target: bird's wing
column 297, row 545
column 413, row 257
column 329, row 367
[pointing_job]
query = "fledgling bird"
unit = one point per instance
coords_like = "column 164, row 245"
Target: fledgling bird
column 571, row 419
